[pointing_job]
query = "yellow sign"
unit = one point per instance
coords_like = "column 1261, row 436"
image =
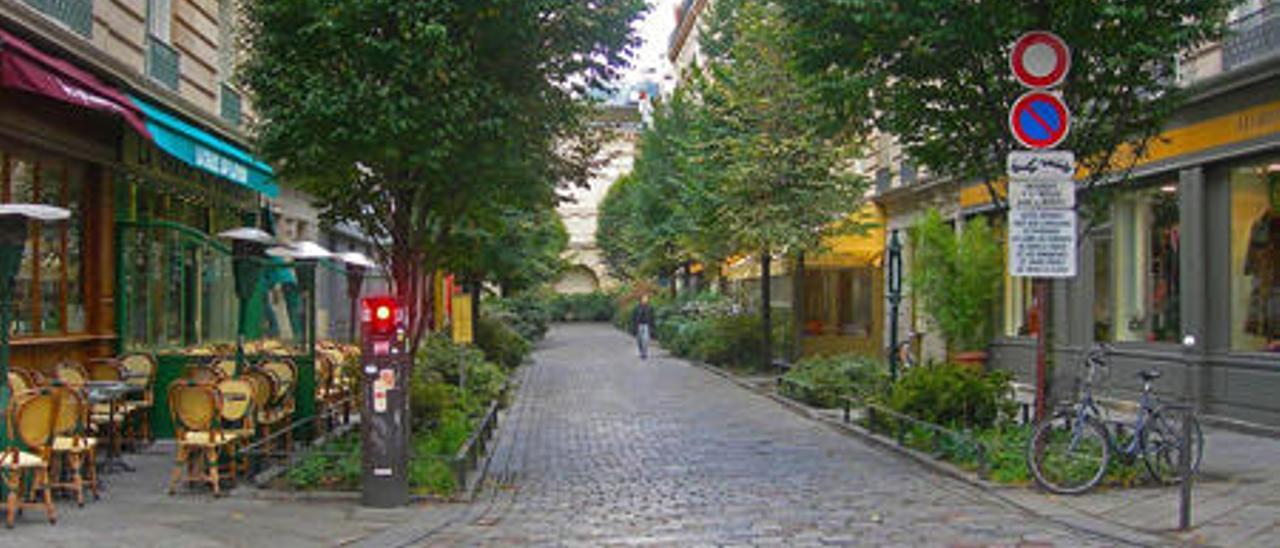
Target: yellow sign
column 461, row 314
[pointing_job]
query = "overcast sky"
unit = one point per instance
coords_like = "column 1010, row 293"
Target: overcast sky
column 650, row 59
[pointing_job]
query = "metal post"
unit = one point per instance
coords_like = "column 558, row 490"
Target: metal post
column 895, row 299
column 1042, row 367
column 1184, row 467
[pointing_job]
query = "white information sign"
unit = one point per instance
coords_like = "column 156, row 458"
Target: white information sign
column 1040, row 165
column 1042, row 243
column 1042, row 194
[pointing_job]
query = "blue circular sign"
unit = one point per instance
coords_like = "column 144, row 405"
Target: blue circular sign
column 1039, row 120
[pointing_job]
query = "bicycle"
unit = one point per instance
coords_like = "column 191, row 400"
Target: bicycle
column 1069, row 452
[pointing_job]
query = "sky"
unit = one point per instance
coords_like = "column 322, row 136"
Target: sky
column 649, row 61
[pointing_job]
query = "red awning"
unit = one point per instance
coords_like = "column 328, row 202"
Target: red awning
column 24, row 67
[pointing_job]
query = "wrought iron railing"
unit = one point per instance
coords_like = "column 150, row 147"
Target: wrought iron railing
column 75, row 14
column 162, row 62
column 1253, row 37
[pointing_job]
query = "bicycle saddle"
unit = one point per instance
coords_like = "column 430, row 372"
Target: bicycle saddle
column 1149, row 374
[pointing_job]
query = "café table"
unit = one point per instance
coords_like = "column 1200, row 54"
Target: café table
column 112, row 393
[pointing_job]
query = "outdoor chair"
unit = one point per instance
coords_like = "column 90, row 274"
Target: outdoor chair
column 19, row 382
column 71, row 446
column 105, row 369
column 237, row 420
column 203, row 374
column 30, row 420
column 196, row 410
column 71, row 374
column 140, row 371
column 263, row 384
column 225, row 367
column 282, row 400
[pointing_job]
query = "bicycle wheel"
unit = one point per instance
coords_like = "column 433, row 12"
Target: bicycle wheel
column 1067, row 455
column 1162, row 445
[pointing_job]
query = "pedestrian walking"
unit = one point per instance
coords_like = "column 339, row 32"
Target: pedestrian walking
column 642, row 319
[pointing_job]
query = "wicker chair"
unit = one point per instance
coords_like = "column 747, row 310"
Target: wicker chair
column 71, row 446
column 72, row 374
column 282, row 400
column 263, row 384
column 237, row 419
column 30, row 419
column 196, row 410
column 140, row 371
column 203, row 374
column 226, row 367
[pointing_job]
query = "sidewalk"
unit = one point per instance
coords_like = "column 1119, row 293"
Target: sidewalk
column 1235, row 500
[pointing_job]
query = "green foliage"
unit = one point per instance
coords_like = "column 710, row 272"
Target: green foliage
column 433, row 388
column 436, row 125
column 597, row 306
column 826, row 380
column 500, row 343
column 528, row 313
column 944, row 89
column 957, row 278
column 952, row 396
column 711, row 328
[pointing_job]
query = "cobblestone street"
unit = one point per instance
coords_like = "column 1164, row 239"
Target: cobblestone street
column 601, row 448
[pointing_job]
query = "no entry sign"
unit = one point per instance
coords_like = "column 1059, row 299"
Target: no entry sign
column 1040, row 59
column 1039, row 120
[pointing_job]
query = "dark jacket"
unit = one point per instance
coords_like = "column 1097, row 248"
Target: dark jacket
column 643, row 315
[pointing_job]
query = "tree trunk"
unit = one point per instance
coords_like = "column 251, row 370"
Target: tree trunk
column 766, row 312
column 797, row 308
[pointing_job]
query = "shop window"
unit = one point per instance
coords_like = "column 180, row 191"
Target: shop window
column 1139, row 268
column 839, row 302
column 1255, row 256
column 49, row 293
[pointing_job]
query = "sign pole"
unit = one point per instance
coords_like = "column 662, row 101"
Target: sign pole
column 1042, row 346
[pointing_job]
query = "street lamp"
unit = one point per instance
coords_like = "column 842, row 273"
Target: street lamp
column 895, row 299
column 357, row 263
column 14, row 219
column 247, row 247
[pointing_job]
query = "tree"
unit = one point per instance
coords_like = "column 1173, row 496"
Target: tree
column 936, row 74
column 779, row 167
column 403, row 117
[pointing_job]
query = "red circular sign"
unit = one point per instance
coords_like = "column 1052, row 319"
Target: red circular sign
column 1040, row 59
column 1039, row 119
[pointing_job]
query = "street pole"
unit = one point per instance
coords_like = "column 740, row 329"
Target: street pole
column 895, row 300
column 1042, row 351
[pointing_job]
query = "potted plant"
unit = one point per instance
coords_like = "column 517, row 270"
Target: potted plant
column 956, row 276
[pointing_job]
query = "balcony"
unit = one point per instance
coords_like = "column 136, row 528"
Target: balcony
column 162, row 62
column 1253, row 37
column 75, row 14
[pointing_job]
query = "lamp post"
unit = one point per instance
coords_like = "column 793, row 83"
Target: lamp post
column 247, row 246
column 895, row 299
column 357, row 263
column 14, row 219
column 306, row 256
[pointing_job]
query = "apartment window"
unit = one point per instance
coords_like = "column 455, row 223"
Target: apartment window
column 75, row 14
column 1255, row 256
column 1137, row 270
column 231, row 109
column 49, row 289
column 162, row 58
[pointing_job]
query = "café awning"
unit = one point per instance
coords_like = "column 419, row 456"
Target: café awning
column 862, row 248
column 25, row 67
column 206, row 152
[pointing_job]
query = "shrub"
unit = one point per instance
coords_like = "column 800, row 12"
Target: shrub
column 957, row 276
column 834, row 377
column 528, row 314
column 500, row 343
column 433, row 389
column 597, row 306
column 952, row 395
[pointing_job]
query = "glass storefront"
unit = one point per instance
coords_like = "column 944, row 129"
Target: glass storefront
column 839, row 302
column 177, row 277
column 1136, row 268
column 49, row 296
column 1255, row 256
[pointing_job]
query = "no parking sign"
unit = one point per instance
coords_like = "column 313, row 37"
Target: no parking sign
column 1039, row 120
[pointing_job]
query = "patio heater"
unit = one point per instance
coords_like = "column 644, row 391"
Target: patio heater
column 357, row 263
column 305, row 255
column 248, row 245
column 895, row 300
column 14, row 219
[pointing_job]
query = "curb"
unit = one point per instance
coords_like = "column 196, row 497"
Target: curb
column 1017, row 498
